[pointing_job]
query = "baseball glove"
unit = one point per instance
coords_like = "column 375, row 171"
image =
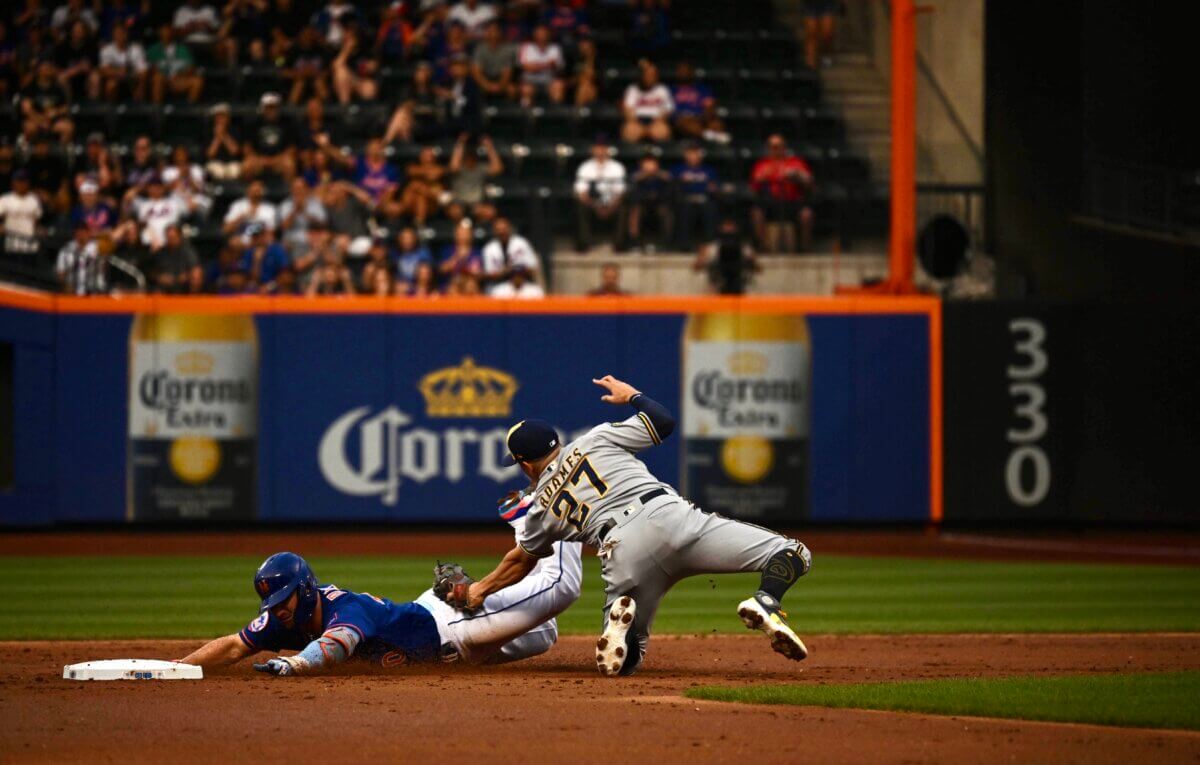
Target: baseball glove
column 452, row 584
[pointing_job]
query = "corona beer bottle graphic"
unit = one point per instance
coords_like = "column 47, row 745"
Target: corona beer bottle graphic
column 745, row 414
column 193, row 417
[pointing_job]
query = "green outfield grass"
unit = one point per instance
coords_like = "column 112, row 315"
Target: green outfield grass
column 127, row 597
column 1159, row 700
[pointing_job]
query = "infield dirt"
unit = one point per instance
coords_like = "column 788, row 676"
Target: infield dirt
column 557, row 709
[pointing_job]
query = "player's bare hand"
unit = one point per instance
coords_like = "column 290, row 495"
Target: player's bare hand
column 474, row 598
column 618, row 392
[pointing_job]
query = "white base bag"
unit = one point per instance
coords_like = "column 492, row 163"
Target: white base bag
column 132, row 669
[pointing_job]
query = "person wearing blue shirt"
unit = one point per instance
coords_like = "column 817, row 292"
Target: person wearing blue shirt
column 695, row 107
column 695, row 198
column 264, row 258
column 410, row 256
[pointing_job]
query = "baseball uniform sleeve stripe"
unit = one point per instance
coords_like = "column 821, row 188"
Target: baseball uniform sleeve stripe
column 246, row 640
column 361, row 636
column 531, row 552
column 649, row 428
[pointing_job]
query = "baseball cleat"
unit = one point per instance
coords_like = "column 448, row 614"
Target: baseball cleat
column 762, row 612
column 611, row 648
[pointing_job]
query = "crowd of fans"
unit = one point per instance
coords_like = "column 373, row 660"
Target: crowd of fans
column 350, row 223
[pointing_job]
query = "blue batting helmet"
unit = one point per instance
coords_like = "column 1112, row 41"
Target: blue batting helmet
column 281, row 575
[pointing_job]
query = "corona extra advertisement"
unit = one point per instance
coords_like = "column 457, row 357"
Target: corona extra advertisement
column 193, row 386
column 745, row 414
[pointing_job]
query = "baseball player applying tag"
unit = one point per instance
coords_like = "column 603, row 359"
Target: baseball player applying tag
column 595, row 490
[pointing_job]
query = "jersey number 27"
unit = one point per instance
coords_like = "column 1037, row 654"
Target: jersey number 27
column 565, row 506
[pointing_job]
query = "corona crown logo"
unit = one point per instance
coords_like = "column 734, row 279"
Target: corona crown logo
column 468, row 391
column 194, row 363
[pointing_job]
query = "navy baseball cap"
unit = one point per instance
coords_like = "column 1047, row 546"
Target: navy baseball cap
column 530, row 440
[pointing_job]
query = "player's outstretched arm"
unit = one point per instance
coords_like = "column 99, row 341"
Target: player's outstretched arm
column 514, row 567
column 333, row 647
column 620, row 392
column 219, row 653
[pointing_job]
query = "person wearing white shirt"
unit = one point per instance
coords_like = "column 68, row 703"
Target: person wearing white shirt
column 123, row 62
column 473, row 15
column 20, row 209
column 520, row 286
column 599, row 196
column 156, row 211
column 506, row 254
column 197, row 23
column 542, row 63
column 252, row 208
column 647, row 108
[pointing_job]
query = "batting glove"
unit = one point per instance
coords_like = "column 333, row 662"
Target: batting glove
column 279, row 667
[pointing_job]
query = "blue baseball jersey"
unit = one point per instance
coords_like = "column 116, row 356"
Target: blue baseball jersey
column 391, row 633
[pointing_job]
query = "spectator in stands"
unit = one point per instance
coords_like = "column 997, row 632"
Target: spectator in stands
column 465, row 285
column 781, row 182
column 376, row 276
column 223, row 151
column 76, row 58
column 254, row 208
column 420, row 114
column 820, row 21
column 349, row 209
column 245, row 30
column 68, row 13
column 460, row 256
column 176, row 266
column 394, row 34
column 9, row 83
column 542, row 65
column 186, row 182
column 695, row 198
column 473, row 15
column 454, row 45
column 650, row 31
column 410, row 254
column 567, row 21
column 647, row 108
column 8, row 165
column 49, row 176
column 307, row 64
column 126, row 14
column 217, row 271
column 315, row 133
column 155, row 211
column 272, row 145
column 610, row 282
column 92, row 212
column 493, row 63
column 507, row 255
column 468, row 180
column 197, row 24
column 422, row 196
column 650, row 200
column 297, row 214
column 331, row 277
column 695, row 107
column 173, row 68
column 79, row 267
column 21, row 210
column 264, row 258
column 355, row 71
column 287, row 282
column 373, row 173
column 600, row 195
column 521, row 284
column 424, row 284
column 335, row 21
column 44, row 106
column 464, row 100
column 123, row 68
column 729, row 261
column 286, row 22
column 143, row 165
column 98, row 165
column 583, row 72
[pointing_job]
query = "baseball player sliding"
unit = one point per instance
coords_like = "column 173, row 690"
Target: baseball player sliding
column 595, row 490
column 329, row 625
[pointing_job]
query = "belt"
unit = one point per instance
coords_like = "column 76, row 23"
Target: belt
column 644, row 499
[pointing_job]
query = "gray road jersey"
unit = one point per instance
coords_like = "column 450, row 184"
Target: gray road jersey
column 594, row 479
